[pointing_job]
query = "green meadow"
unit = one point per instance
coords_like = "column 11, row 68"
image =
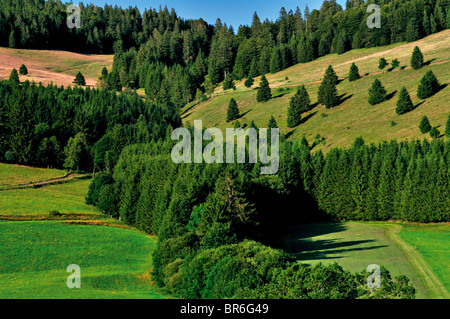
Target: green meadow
column 14, row 175
column 356, row 245
column 433, row 243
column 36, row 247
column 114, row 262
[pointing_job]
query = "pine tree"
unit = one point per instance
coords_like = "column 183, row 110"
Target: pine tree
column 395, row 64
column 353, row 74
column 328, row 86
column 425, row 125
column 382, row 63
column 429, row 85
column 275, row 61
column 412, row 30
column 229, row 83
column 404, row 103
column 377, row 93
column 435, row 133
column 272, row 123
column 249, row 82
column 299, row 104
column 12, row 40
column 14, row 78
column 23, row 70
column 330, row 96
column 233, row 110
column 264, row 93
column 79, row 79
column 417, row 59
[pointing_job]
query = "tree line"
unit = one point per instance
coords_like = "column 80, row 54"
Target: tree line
column 74, row 128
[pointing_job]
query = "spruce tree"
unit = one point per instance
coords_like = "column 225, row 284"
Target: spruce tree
column 271, row 125
column 412, row 30
column 299, row 104
column 395, row 64
column 353, row 74
column 14, row 78
column 425, row 125
column 404, row 103
column 275, row 61
column 249, row 82
column 264, row 93
column 233, row 110
column 23, row 70
column 79, row 79
column 417, row 59
column 329, row 82
column 330, row 96
column 229, row 83
column 377, row 93
column 382, row 64
column 429, row 85
column 435, row 133
column 12, row 40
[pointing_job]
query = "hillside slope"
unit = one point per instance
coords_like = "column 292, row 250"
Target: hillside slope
column 354, row 116
column 59, row 67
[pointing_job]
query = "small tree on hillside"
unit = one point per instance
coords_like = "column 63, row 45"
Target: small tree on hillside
column 382, row 64
column 264, row 93
column 79, row 79
column 377, row 93
column 353, row 74
column 425, row 125
column 417, row 58
column 404, row 103
column 229, row 82
column 330, row 96
column 299, row 104
column 395, row 64
column 249, row 82
column 434, row 133
column 23, row 70
column 233, row 110
column 429, row 85
column 330, row 80
column 14, row 77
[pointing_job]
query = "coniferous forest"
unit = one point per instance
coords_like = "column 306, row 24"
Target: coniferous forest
column 218, row 226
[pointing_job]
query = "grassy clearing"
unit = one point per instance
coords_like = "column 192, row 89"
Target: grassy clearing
column 354, row 117
column 14, row 175
column 115, row 263
column 59, row 67
column 66, row 198
column 432, row 242
column 355, row 246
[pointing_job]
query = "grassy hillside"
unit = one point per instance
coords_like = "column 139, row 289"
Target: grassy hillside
column 36, row 247
column 354, row 116
column 14, row 175
column 114, row 262
column 57, row 67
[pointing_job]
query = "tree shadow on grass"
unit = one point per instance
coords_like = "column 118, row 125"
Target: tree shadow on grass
column 429, row 62
column 242, row 115
column 344, row 97
column 391, row 95
column 302, row 245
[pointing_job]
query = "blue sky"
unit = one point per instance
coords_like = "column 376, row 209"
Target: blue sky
column 232, row 12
